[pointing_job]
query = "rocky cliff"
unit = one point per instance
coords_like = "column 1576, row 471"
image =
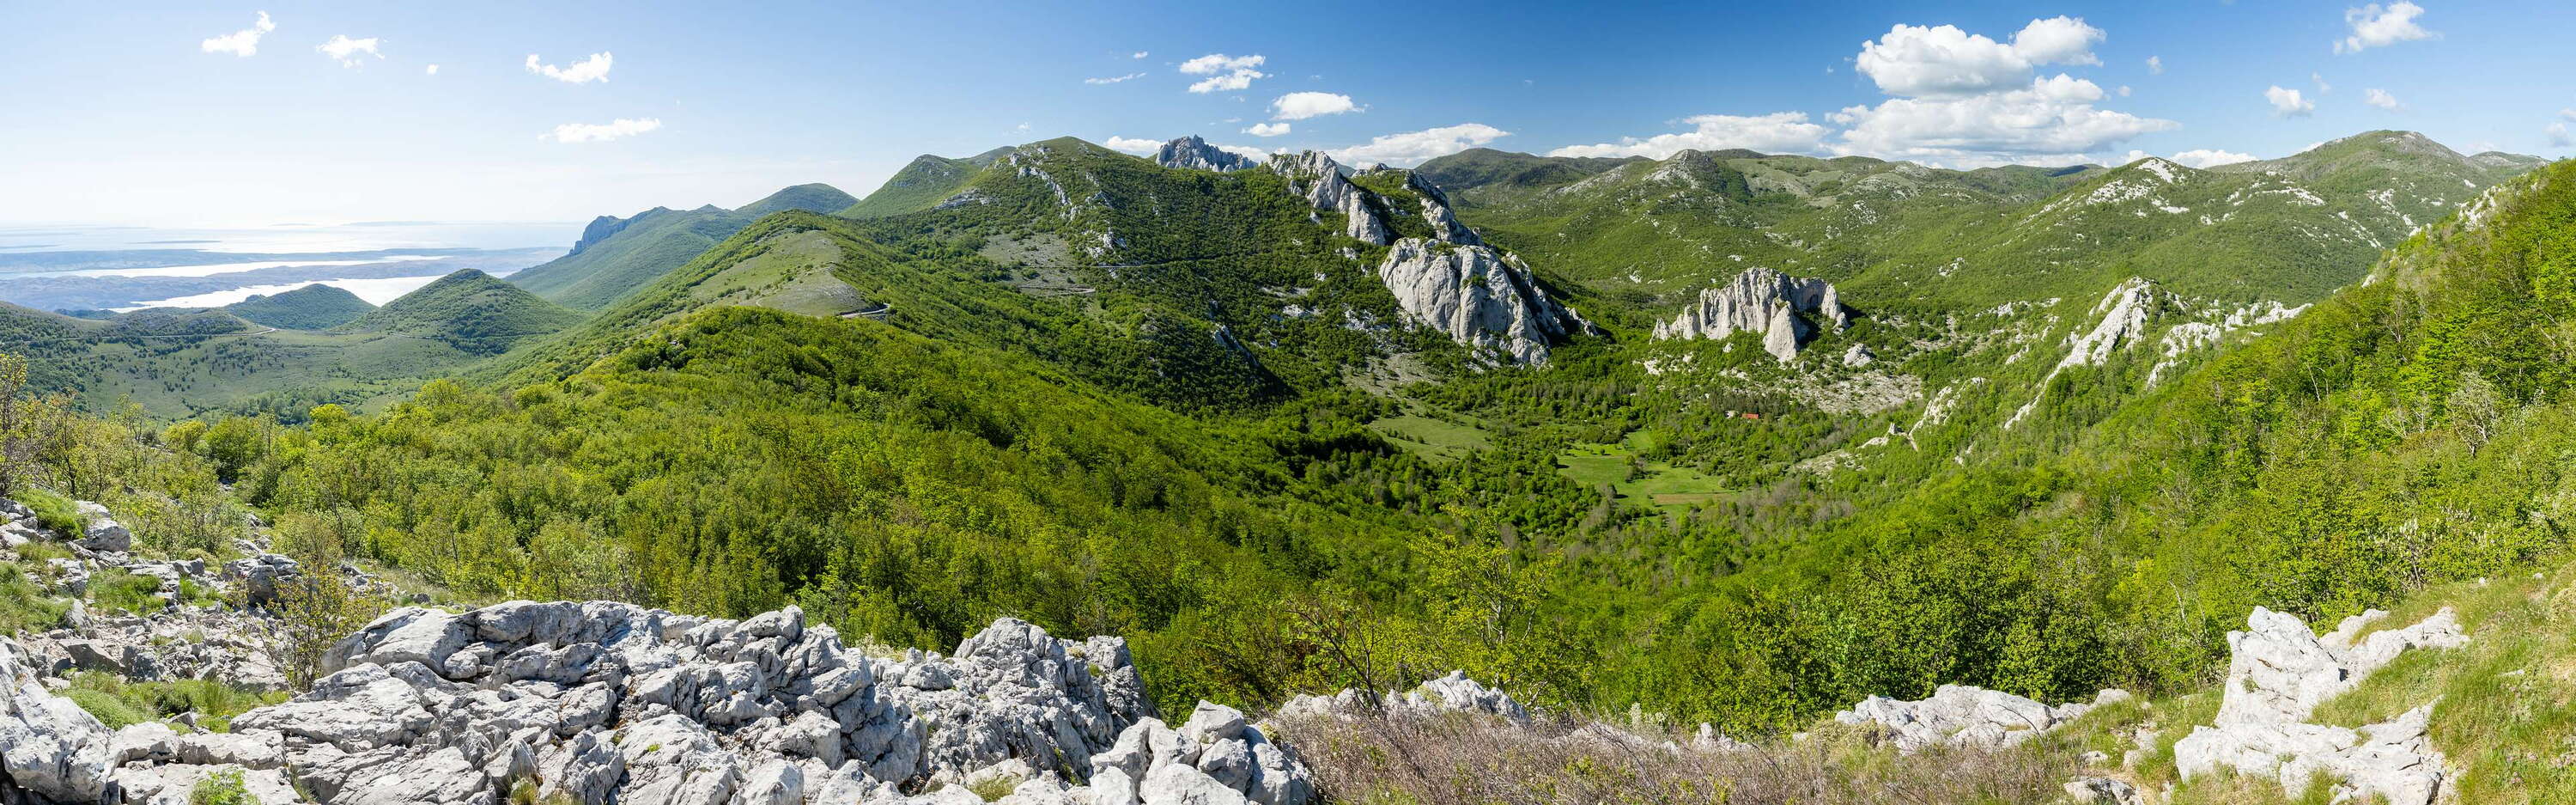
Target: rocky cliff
column 1482, row 298
column 1764, row 301
column 1196, row 154
column 1318, row 179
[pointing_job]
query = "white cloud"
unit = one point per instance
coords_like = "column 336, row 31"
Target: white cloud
column 1237, row 80
column 2052, row 122
column 2373, row 26
column 2558, row 135
column 1215, row 63
column 2058, row 40
column 1267, row 129
column 594, row 68
column 2322, row 86
column 243, row 42
column 2124, row 90
column 2380, row 98
column 1915, row 60
column 2567, row 113
column 1302, row 105
column 1412, row 147
column 1245, row 151
column 433, row 70
column 2210, row 157
column 1777, row 133
column 1139, row 55
column 2155, row 65
column 601, row 132
column 2288, row 102
column 1133, row 145
column 346, row 50
column 1226, row 73
column 1113, row 80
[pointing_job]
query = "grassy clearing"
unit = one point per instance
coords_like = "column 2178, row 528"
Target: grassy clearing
column 1660, row 484
column 1435, row 439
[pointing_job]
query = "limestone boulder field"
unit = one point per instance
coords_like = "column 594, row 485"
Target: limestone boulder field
column 598, row 702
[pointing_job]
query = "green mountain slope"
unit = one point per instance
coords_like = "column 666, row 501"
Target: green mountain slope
column 814, row 197
column 468, row 310
column 616, row 256
column 921, row 185
column 312, row 307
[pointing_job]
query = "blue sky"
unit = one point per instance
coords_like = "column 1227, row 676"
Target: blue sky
column 151, row 113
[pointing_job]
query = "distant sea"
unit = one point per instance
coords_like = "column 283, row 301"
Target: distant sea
column 129, row 268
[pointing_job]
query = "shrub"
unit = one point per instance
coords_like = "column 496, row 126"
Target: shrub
column 221, row 788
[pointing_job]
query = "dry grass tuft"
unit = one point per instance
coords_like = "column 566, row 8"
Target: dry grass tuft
column 1478, row 760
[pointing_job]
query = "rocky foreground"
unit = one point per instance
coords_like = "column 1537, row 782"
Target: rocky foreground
column 600, row 702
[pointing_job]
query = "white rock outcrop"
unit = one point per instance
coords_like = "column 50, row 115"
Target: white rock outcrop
column 1763, row 301
column 1961, row 715
column 2278, row 671
column 1318, row 179
column 1195, row 153
column 1481, row 298
column 1455, row 693
column 50, row 749
column 600, row 702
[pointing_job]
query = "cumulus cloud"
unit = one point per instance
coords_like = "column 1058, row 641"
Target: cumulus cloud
column 2567, row 113
column 1139, row 55
column 1779, row 132
column 2155, row 65
column 1244, row 151
column 2322, row 86
column 2380, row 98
column 1917, row 60
column 1225, row 73
column 2375, row 26
column 1267, row 129
column 2558, row 135
column 1114, row 79
column 346, row 50
column 243, row 42
column 1302, row 105
column 2288, row 102
column 2052, row 121
column 601, row 132
column 594, row 68
column 433, row 70
column 1133, row 145
column 1412, row 147
column 2058, row 40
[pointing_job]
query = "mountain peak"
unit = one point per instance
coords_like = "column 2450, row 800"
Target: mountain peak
column 470, row 310
column 812, row 197
column 1196, row 154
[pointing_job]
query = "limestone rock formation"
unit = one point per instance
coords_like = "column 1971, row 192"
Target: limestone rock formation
column 49, row 747
column 1196, row 154
column 599, row 701
column 2278, row 672
column 1455, row 693
column 1960, row 715
column 1318, row 179
column 1764, row 301
column 1482, row 298
column 1435, row 210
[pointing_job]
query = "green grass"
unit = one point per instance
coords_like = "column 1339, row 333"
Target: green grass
column 54, row 511
column 221, row 788
column 115, row 590
column 1666, row 487
column 118, row 703
column 24, row 606
column 1436, row 439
